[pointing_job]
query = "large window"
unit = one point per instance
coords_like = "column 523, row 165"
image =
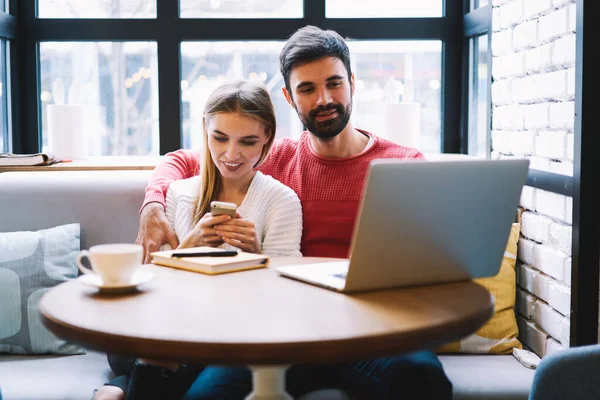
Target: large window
column 135, row 74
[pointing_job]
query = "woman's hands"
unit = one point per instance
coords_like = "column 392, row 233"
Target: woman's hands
column 216, row 230
column 241, row 233
column 204, row 233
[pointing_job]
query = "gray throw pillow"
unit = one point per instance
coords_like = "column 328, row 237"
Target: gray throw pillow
column 30, row 264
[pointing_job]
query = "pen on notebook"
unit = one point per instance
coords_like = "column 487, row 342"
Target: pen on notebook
column 226, row 253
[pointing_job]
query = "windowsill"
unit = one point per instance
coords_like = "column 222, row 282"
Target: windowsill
column 108, row 163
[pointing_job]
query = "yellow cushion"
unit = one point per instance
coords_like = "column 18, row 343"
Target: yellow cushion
column 499, row 334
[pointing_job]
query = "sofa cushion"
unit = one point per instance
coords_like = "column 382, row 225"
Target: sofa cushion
column 499, row 334
column 53, row 377
column 30, row 264
column 487, row 377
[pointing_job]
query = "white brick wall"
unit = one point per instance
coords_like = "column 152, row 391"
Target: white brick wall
column 538, row 59
column 535, row 7
column 572, row 16
column 571, row 83
column 533, row 114
column 553, row 25
column 562, row 51
column 511, row 13
column 523, row 36
column 553, row 346
column 562, row 115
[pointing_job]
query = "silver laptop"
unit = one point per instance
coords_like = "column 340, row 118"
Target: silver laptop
column 424, row 222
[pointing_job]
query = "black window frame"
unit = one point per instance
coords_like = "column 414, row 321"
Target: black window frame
column 8, row 32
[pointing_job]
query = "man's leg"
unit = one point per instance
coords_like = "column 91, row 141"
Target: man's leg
column 418, row 375
column 221, row 383
column 235, row 383
column 412, row 376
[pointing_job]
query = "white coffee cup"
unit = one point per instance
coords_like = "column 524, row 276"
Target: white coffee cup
column 114, row 263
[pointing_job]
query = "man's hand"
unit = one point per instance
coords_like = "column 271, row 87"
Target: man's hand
column 155, row 230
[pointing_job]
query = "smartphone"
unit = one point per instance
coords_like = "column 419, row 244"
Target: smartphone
column 223, row 207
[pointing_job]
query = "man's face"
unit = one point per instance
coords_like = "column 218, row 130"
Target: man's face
column 322, row 96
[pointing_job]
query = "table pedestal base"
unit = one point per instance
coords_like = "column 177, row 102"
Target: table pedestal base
column 268, row 383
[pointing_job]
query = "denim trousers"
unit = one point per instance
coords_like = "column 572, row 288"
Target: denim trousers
column 417, row 375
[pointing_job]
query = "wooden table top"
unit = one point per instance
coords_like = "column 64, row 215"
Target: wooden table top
column 259, row 317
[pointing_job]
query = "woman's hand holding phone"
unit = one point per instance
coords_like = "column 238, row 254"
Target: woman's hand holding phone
column 241, row 233
column 204, row 233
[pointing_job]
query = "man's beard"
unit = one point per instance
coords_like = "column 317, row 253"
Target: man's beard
column 330, row 128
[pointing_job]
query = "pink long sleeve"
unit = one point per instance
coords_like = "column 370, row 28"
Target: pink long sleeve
column 176, row 165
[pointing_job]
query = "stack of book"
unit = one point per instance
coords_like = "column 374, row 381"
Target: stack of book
column 20, row 160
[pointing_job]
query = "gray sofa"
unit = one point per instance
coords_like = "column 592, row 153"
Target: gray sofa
column 106, row 204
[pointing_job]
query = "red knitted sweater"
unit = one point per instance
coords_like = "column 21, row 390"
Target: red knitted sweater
column 329, row 188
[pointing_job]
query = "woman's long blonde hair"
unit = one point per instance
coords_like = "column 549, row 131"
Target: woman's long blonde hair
column 249, row 99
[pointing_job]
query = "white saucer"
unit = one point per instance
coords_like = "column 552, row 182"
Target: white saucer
column 139, row 278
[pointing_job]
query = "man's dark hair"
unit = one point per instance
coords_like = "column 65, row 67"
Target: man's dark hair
column 310, row 44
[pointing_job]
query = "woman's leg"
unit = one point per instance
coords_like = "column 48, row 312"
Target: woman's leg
column 117, row 388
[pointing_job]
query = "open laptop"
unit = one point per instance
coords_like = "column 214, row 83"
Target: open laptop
column 424, row 222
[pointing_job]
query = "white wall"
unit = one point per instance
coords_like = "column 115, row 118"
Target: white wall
column 533, row 114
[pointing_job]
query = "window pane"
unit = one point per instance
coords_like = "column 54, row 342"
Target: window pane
column 241, row 8
column 479, row 99
column 3, row 102
column 111, row 89
column 383, row 8
column 97, row 8
column 398, row 91
column 205, row 65
column 416, row 67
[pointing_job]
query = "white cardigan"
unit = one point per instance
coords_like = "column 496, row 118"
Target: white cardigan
column 273, row 207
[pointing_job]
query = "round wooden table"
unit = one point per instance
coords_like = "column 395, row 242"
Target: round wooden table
column 261, row 319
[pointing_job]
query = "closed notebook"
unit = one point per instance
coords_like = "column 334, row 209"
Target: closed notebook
column 19, row 160
column 210, row 265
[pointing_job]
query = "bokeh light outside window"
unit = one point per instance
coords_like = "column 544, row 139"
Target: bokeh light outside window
column 97, row 8
column 241, row 8
column 414, row 66
column 383, row 9
column 115, row 85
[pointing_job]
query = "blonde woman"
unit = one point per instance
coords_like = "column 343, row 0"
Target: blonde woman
column 238, row 129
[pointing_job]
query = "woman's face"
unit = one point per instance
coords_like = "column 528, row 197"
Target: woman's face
column 235, row 143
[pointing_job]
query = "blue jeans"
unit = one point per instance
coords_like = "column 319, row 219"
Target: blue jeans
column 411, row 376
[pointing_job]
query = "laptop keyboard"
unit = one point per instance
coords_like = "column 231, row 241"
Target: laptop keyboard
column 341, row 275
